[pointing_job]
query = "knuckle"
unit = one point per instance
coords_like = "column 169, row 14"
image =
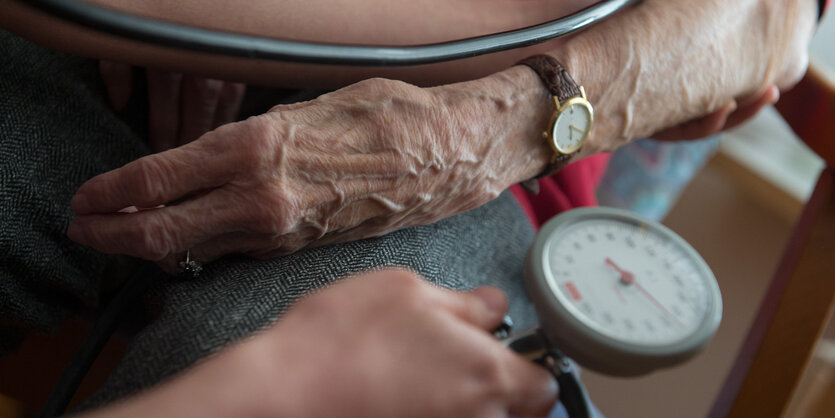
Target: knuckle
column 489, row 371
column 387, row 85
column 150, row 240
column 369, row 84
column 261, row 136
column 406, row 280
column 145, row 183
column 405, row 288
column 272, row 212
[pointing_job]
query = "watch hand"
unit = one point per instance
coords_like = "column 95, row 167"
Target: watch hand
column 657, row 303
column 574, row 128
column 627, row 278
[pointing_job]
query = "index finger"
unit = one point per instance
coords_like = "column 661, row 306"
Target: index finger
column 155, row 179
column 529, row 389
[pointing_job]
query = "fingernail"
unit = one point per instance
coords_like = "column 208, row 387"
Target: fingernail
column 553, row 387
column 776, row 94
column 552, row 392
column 549, row 397
column 493, row 298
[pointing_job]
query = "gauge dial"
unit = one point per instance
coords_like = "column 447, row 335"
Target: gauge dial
column 626, row 282
column 625, row 294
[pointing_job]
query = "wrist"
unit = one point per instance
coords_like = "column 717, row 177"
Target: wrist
column 219, row 387
column 231, row 383
column 509, row 110
column 273, row 382
column 604, row 66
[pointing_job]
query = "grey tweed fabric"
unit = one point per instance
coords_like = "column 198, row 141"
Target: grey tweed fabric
column 236, row 296
column 56, row 131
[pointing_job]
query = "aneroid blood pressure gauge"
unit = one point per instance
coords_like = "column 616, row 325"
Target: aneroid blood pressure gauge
column 620, row 294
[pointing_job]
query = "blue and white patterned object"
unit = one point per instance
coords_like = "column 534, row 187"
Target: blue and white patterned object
column 647, row 176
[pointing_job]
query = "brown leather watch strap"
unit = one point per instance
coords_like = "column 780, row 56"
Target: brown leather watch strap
column 532, row 185
column 554, row 75
column 560, row 84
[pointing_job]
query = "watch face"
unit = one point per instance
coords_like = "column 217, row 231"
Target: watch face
column 572, row 126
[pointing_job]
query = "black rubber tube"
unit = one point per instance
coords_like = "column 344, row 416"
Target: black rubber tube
column 232, row 44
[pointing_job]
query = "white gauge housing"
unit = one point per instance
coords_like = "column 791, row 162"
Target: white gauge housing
column 620, row 294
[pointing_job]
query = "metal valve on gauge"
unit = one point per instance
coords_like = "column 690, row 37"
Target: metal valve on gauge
column 617, row 293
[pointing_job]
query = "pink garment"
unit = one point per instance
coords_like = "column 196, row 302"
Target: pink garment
column 573, row 187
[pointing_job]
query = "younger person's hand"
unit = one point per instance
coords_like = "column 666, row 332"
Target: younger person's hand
column 383, row 344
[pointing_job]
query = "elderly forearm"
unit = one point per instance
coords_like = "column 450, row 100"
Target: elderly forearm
column 652, row 77
column 643, row 75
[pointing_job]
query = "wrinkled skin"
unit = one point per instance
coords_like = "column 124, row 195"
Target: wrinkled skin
column 377, row 345
column 381, row 155
column 358, row 162
column 671, row 67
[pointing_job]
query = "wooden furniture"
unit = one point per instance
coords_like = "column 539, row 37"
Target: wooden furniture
column 799, row 301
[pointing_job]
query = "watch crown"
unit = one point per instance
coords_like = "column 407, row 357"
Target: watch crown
column 545, row 134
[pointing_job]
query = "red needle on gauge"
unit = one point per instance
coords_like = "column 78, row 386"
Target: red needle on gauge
column 627, row 278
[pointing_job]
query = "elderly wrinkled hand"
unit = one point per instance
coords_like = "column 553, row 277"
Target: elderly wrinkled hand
column 359, row 162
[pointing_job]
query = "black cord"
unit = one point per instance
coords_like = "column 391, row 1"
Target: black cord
column 535, row 345
column 573, row 394
column 92, row 345
column 232, row 44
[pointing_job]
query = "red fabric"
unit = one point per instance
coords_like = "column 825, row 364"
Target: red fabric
column 573, row 187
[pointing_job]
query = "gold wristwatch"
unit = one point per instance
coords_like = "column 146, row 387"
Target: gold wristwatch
column 571, row 121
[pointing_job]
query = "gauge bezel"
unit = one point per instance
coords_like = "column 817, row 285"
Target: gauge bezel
column 588, row 346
